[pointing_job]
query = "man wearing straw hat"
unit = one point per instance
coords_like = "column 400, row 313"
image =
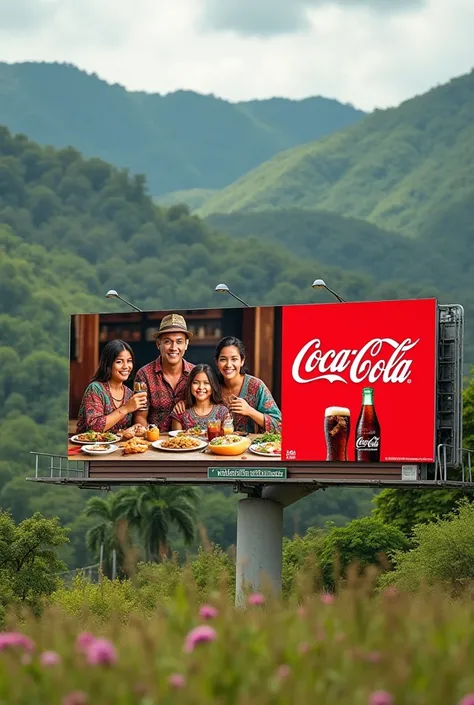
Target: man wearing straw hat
column 165, row 377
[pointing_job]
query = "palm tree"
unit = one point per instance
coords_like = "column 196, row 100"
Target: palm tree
column 153, row 509
column 104, row 533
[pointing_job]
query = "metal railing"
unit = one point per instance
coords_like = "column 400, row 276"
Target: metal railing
column 444, row 452
column 58, row 467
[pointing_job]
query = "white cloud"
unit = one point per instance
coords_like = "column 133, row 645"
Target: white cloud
column 274, row 17
column 343, row 50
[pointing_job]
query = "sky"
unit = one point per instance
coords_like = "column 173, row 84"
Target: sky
column 370, row 53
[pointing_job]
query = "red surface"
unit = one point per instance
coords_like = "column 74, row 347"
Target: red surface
column 352, row 346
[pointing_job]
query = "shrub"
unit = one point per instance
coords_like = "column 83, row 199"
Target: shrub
column 301, row 560
column 366, row 541
column 444, row 554
column 212, row 568
column 102, row 600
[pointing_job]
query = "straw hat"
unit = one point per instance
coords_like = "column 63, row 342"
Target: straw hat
column 173, row 323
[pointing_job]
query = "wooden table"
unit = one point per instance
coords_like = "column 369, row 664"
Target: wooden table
column 153, row 454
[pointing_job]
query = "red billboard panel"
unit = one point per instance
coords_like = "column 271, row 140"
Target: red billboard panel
column 359, row 381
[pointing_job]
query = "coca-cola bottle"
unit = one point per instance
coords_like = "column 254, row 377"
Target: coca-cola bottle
column 367, row 433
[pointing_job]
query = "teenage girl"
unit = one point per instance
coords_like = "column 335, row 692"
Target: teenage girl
column 203, row 401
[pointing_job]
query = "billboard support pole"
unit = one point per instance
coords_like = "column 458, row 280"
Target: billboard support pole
column 259, row 546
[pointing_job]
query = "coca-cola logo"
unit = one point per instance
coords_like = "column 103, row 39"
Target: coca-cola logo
column 367, row 443
column 366, row 364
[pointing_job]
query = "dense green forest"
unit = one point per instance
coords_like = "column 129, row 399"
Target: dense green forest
column 73, row 228
column 181, row 140
column 401, row 168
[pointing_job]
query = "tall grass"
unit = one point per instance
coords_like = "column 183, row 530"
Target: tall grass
column 357, row 647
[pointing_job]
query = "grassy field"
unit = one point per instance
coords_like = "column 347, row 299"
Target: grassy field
column 355, row 647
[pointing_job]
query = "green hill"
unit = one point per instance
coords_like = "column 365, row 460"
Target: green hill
column 394, row 168
column 72, row 228
column 181, row 140
column 432, row 258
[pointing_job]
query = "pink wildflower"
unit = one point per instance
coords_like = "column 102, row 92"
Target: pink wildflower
column 50, row 658
column 467, row 699
column 283, row 671
column 326, row 598
column 303, row 648
column 101, row 653
column 380, row 697
column 208, row 612
column 301, row 611
column 256, row 598
column 373, row 657
column 12, row 639
column 177, row 680
column 84, row 640
column 199, row 635
column 75, row 697
column 391, row 591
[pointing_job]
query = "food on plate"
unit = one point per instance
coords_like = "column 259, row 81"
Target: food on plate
column 229, row 445
column 268, row 438
column 152, row 433
column 194, row 431
column 269, row 448
column 181, row 443
column 99, row 447
column 135, row 445
column 96, row 437
column 136, row 431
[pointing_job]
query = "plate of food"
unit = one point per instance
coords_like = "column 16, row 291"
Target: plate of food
column 91, row 437
column 180, row 444
column 267, row 444
column 271, row 448
column 195, row 431
column 229, row 445
column 100, row 449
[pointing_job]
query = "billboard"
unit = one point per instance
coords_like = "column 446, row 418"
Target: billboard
column 255, row 388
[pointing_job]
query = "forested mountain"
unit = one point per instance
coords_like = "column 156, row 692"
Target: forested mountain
column 69, row 230
column 439, row 256
column 400, row 168
column 181, row 140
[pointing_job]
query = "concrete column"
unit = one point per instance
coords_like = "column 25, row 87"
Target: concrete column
column 259, row 545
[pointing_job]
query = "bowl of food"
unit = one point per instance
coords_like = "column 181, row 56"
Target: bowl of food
column 229, row 445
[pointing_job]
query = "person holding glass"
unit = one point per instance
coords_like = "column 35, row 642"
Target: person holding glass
column 203, row 402
column 253, row 408
column 107, row 404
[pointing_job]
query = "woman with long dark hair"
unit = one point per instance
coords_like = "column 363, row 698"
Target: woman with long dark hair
column 107, row 404
column 248, row 398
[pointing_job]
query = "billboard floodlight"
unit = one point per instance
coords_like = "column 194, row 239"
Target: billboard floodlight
column 321, row 284
column 112, row 294
column 224, row 289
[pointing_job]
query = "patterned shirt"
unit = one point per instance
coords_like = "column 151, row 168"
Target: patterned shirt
column 258, row 396
column 96, row 405
column 162, row 398
column 188, row 419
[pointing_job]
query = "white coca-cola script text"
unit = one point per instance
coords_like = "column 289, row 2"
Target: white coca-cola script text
column 368, row 443
column 312, row 363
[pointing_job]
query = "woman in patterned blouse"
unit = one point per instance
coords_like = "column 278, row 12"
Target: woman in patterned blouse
column 107, row 404
column 252, row 405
